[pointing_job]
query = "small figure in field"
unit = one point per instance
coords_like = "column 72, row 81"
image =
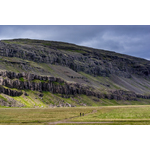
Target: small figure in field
column 83, row 114
column 80, row 114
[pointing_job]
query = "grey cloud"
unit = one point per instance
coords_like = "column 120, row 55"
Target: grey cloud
column 131, row 40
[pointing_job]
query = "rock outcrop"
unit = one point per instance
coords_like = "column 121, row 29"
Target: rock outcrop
column 10, row 92
column 41, row 83
column 91, row 61
column 56, row 85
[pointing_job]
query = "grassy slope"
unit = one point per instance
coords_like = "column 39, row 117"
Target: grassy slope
column 138, row 85
column 135, row 84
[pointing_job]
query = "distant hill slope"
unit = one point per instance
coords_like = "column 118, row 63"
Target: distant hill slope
column 99, row 73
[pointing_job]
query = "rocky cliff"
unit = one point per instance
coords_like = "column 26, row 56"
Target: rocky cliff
column 91, row 61
column 56, row 85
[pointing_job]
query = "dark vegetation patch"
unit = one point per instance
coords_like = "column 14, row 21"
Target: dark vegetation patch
column 21, row 79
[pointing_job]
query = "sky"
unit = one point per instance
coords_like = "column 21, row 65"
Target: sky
column 132, row 40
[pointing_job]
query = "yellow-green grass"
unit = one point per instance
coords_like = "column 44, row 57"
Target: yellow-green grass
column 30, row 101
column 3, row 98
column 104, row 115
column 38, row 115
column 137, row 114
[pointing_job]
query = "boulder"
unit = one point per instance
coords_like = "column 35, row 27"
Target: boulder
column 26, row 94
column 41, row 95
column 68, row 105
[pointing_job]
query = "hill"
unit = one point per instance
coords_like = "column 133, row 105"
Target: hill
column 38, row 73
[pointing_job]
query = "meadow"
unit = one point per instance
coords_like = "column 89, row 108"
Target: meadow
column 103, row 115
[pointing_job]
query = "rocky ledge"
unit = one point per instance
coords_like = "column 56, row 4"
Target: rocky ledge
column 10, row 92
column 22, row 81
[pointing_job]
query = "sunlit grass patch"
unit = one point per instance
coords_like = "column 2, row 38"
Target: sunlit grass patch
column 125, row 114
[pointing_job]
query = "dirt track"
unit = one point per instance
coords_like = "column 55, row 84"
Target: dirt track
column 69, row 122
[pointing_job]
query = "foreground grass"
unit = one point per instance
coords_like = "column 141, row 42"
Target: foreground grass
column 104, row 115
column 137, row 114
column 38, row 115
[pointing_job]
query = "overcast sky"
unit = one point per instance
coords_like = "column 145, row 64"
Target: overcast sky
column 131, row 40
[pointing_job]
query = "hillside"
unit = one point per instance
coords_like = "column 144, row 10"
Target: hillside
column 37, row 73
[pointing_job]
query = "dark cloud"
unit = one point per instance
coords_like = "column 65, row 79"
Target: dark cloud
column 131, row 40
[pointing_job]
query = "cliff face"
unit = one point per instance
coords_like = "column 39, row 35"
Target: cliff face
column 91, row 61
column 10, row 92
column 41, row 83
column 56, row 85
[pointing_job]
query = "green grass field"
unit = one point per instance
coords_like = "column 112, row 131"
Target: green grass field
column 110, row 115
column 119, row 115
column 38, row 115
